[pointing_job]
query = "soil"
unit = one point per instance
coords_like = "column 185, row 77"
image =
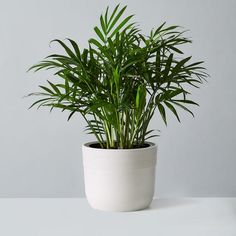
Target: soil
column 97, row 145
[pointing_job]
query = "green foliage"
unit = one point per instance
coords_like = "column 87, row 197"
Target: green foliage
column 117, row 83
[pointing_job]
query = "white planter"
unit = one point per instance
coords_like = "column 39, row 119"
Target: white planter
column 119, row 179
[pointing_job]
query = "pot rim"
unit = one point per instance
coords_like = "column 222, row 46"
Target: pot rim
column 87, row 145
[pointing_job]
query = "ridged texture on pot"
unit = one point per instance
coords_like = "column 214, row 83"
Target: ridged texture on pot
column 119, row 179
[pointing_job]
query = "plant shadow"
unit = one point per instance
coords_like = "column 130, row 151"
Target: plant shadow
column 170, row 203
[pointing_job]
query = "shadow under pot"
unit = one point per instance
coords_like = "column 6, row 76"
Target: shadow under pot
column 119, row 179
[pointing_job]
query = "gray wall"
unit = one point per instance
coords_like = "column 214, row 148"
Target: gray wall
column 40, row 153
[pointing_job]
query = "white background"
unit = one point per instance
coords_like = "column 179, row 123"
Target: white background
column 40, row 153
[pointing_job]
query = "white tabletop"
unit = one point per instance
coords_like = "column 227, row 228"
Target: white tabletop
column 73, row 217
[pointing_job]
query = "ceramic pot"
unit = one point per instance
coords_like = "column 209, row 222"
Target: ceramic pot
column 119, row 179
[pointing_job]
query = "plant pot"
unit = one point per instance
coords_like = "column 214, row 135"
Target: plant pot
column 119, row 179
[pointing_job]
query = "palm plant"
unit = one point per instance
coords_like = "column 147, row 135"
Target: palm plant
column 121, row 79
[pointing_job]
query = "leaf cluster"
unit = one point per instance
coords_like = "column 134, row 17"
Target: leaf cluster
column 121, row 79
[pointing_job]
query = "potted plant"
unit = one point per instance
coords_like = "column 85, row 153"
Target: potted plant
column 117, row 84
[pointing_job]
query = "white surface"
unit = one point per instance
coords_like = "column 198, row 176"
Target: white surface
column 73, row 217
column 40, row 153
column 119, row 179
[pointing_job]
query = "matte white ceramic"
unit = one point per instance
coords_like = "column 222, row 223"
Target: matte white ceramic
column 119, row 179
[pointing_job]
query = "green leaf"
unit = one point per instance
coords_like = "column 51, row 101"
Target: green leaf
column 167, row 95
column 113, row 14
column 175, row 49
column 71, row 114
column 152, row 136
column 75, row 46
column 186, row 101
column 85, row 56
column 122, row 24
column 99, row 34
column 172, row 109
column 67, row 49
column 168, row 66
column 55, row 88
column 46, row 64
column 106, row 15
column 96, row 43
column 170, row 28
column 103, row 25
column 183, row 107
column 195, row 64
column 47, row 89
column 116, row 77
column 67, row 87
column 116, row 19
column 178, row 66
column 162, row 112
column 40, row 101
column 159, row 28
column 140, row 97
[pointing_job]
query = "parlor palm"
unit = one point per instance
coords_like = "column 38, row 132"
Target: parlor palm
column 121, row 79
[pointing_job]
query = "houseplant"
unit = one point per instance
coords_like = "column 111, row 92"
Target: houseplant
column 117, row 84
